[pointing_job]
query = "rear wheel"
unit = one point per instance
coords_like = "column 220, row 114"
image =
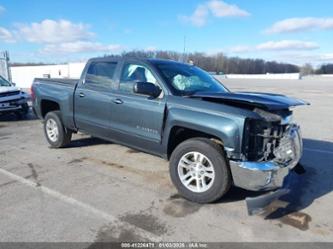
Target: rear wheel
column 56, row 134
column 199, row 170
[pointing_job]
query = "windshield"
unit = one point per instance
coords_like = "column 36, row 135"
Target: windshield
column 187, row 79
column 4, row 82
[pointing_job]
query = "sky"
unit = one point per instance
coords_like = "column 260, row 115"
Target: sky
column 296, row 31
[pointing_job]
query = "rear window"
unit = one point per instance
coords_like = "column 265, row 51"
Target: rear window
column 101, row 73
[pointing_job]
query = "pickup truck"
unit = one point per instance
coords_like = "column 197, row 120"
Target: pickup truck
column 12, row 99
column 212, row 137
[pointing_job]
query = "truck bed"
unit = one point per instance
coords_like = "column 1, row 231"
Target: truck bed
column 68, row 82
column 60, row 91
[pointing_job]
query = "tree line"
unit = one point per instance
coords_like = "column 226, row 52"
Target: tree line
column 307, row 69
column 221, row 64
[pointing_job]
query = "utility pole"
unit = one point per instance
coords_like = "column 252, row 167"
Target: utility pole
column 8, row 67
column 184, row 50
column 4, row 65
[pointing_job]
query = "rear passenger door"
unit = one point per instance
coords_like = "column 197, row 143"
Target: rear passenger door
column 92, row 99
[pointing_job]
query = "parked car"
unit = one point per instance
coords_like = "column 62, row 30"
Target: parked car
column 213, row 138
column 12, row 99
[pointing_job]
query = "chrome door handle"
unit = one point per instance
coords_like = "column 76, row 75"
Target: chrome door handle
column 117, row 101
column 81, row 95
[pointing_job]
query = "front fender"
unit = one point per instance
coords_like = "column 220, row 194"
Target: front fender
column 227, row 129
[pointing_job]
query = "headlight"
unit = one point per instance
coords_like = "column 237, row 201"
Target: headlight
column 267, row 116
column 24, row 95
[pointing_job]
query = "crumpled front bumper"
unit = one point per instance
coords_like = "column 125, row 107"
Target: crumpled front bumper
column 270, row 175
column 13, row 105
column 257, row 204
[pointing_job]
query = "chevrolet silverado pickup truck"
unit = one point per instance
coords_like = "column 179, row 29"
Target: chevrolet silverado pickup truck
column 12, row 99
column 212, row 137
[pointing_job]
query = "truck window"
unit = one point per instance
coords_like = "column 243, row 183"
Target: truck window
column 4, row 82
column 135, row 73
column 101, row 73
column 187, row 79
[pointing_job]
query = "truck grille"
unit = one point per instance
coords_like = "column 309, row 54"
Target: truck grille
column 261, row 138
column 9, row 94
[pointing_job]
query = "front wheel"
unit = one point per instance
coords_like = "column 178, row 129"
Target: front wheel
column 23, row 112
column 25, row 109
column 56, row 134
column 199, row 170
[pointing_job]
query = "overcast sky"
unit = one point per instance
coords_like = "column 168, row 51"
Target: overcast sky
column 296, row 31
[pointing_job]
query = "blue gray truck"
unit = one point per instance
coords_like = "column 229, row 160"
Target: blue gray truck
column 213, row 138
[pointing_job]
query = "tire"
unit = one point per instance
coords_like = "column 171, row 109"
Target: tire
column 213, row 155
column 25, row 109
column 23, row 112
column 53, row 125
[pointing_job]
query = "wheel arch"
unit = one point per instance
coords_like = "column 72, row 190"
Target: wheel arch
column 47, row 105
column 179, row 134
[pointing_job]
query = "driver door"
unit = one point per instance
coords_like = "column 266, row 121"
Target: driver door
column 138, row 119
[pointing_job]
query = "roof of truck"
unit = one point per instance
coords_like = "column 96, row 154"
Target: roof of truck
column 143, row 59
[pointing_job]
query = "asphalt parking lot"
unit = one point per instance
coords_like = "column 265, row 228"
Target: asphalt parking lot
column 98, row 191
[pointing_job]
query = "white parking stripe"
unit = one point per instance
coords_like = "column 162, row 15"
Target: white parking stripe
column 321, row 151
column 90, row 209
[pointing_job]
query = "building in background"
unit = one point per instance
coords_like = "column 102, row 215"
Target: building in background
column 23, row 76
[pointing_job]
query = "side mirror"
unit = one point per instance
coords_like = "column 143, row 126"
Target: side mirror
column 13, row 84
column 147, row 88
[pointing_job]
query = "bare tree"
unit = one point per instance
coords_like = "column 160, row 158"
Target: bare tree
column 306, row 69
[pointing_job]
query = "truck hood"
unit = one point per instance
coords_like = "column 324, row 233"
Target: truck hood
column 268, row 101
column 4, row 89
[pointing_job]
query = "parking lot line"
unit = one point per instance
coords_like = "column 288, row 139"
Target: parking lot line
column 89, row 209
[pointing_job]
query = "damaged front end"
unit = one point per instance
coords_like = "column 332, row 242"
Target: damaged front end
column 271, row 143
column 272, row 146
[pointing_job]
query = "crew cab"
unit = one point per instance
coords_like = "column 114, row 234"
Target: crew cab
column 12, row 99
column 213, row 137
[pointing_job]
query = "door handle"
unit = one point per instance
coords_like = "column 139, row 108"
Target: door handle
column 81, row 95
column 117, row 101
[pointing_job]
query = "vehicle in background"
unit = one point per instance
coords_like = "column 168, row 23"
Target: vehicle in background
column 12, row 99
column 213, row 138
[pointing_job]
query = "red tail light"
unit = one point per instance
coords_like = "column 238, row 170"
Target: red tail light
column 32, row 93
